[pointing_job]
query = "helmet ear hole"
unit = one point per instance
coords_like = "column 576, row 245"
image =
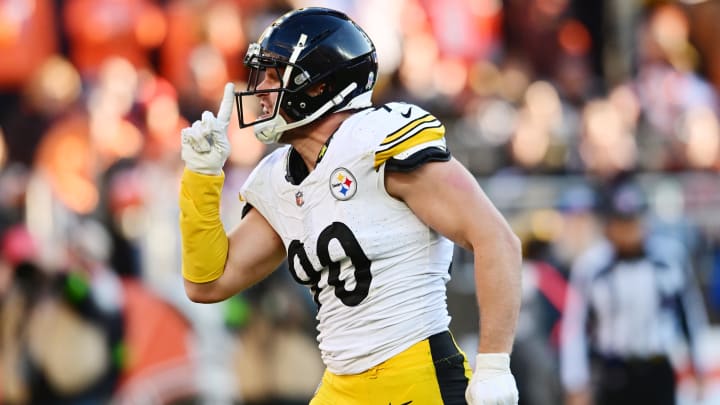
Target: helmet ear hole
column 317, row 89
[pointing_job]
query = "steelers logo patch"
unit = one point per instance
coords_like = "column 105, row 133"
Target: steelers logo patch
column 342, row 184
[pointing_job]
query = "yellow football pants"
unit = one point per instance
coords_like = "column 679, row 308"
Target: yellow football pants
column 431, row 372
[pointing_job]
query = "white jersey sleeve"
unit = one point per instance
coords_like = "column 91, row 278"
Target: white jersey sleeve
column 412, row 137
column 376, row 272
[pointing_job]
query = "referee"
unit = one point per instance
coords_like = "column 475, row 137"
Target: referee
column 629, row 305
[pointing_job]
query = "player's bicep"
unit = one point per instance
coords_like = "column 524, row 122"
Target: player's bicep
column 255, row 250
column 446, row 197
column 415, row 159
column 255, row 247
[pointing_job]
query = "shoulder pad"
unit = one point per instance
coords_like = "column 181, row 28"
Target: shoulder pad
column 408, row 129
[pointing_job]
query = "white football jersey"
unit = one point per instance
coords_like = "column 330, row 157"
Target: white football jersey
column 377, row 272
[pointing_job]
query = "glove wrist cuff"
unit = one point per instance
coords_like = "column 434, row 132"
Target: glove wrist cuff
column 203, row 170
column 493, row 361
column 198, row 177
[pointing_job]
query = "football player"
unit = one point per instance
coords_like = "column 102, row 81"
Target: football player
column 365, row 203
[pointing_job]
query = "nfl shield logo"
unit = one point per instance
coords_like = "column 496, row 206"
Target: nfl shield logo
column 299, row 199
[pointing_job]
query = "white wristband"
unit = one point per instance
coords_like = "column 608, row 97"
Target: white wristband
column 493, row 361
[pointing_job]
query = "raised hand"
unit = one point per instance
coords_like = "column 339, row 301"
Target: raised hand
column 205, row 144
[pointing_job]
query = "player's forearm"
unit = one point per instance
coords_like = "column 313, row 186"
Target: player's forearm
column 497, row 281
column 231, row 281
column 204, row 241
column 254, row 251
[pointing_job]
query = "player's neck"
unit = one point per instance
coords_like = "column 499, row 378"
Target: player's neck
column 308, row 140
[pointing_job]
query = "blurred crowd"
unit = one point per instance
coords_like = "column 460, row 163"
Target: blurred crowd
column 546, row 101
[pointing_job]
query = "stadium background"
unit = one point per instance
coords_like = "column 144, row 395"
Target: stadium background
column 542, row 99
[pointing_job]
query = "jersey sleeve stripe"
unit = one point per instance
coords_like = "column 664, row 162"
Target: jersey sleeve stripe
column 410, row 134
column 439, row 143
column 409, row 127
column 424, row 136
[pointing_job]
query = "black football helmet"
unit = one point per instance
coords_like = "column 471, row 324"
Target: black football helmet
column 306, row 47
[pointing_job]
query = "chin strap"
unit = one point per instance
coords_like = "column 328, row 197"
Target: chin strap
column 270, row 131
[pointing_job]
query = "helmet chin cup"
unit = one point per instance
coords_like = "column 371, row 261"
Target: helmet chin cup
column 270, row 131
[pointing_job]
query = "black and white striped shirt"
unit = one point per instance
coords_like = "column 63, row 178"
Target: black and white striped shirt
column 628, row 308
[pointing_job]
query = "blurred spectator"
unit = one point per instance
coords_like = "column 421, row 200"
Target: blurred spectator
column 122, row 194
column 102, row 29
column 60, row 329
column 158, row 350
column 607, row 146
column 704, row 32
column 16, row 247
column 576, row 204
column 632, row 301
column 50, row 93
column 276, row 340
column 535, row 351
column 679, row 107
column 22, row 23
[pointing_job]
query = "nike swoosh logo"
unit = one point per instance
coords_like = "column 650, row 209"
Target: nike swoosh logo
column 407, row 115
column 404, row 403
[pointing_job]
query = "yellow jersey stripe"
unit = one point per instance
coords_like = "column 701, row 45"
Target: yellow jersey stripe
column 426, row 135
column 418, row 128
column 407, row 128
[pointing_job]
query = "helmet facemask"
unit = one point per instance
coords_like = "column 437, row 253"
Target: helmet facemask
column 269, row 127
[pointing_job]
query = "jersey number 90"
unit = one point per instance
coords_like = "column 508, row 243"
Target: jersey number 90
column 360, row 262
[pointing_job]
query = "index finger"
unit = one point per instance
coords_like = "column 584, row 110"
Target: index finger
column 226, row 104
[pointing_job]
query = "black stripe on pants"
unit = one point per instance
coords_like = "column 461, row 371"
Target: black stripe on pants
column 449, row 365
